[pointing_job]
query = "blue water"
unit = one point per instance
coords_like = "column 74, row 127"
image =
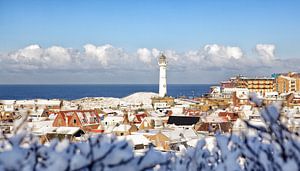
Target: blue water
column 70, row 92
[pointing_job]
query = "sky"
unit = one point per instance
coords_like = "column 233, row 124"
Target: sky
column 110, row 41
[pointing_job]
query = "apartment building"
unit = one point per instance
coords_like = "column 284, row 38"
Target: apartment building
column 288, row 82
column 259, row 85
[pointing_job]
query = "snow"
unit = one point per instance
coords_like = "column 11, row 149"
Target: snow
column 122, row 128
column 135, row 139
column 274, row 147
column 107, row 103
column 140, row 97
column 7, row 102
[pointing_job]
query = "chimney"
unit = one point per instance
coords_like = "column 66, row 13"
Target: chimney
column 125, row 119
column 67, row 121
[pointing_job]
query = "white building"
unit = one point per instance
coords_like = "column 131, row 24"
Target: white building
column 7, row 105
column 162, row 62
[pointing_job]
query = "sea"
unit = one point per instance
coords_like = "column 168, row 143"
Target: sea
column 71, row 92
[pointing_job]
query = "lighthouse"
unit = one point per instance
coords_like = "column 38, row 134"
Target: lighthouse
column 162, row 62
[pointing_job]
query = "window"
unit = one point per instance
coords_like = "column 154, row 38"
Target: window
column 74, row 121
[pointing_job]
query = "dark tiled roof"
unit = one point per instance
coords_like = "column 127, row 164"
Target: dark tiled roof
column 183, row 120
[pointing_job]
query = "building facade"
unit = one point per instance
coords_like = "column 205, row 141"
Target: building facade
column 287, row 83
column 259, row 85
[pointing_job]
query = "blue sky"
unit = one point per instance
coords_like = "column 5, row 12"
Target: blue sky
column 175, row 25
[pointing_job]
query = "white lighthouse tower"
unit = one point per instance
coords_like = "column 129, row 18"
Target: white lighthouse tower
column 162, row 62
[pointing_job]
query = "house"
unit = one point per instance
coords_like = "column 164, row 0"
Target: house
column 71, row 133
column 138, row 117
column 126, row 128
column 60, row 133
column 25, row 104
column 213, row 125
column 160, row 141
column 46, row 132
column 138, row 141
column 37, row 115
column 162, row 102
column 240, row 97
column 151, row 123
column 192, row 112
column 87, row 120
column 51, row 105
column 112, row 121
column 215, row 91
column 1, row 107
column 271, row 97
column 172, row 139
column 228, row 84
column 293, row 100
column 7, row 105
column 7, row 116
column 231, row 116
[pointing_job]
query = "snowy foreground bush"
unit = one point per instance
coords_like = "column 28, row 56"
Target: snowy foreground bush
column 273, row 148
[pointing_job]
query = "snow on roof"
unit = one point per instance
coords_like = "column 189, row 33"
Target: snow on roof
column 273, row 93
column 156, row 114
column 296, row 95
column 58, row 130
column 38, row 112
column 246, row 107
column 242, row 94
column 7, row 102
column 119, row 112
column 172, row 135
column 135, row 139
column 109, row 129
column 187, row 133
column 39, row 124
column 214, row 119
column 113, row 119
column 148, row 132
column 47, row 102
column 180, row 134
column 66, row 130
column 122, row 128
column 25, row 102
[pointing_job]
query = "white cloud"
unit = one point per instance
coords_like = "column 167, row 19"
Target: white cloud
column 211, row 58
column 144, row 55
column 106, row 55
column 214, row 56
column 223, row 51
column 266, row 51
column 57, row 56
column 34, row 57
column 155, row 52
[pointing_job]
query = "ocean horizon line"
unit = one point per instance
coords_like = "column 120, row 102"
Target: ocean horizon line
column 71, row 91
column 110, row 84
